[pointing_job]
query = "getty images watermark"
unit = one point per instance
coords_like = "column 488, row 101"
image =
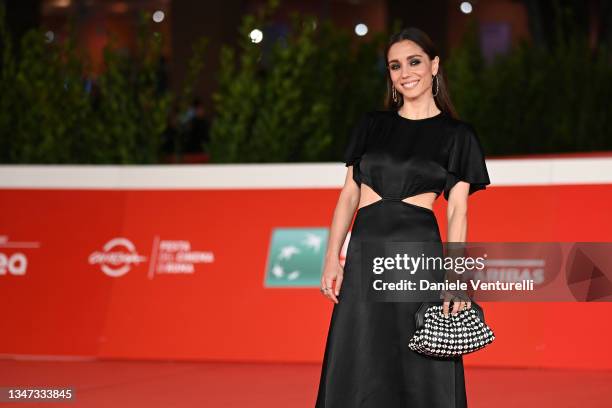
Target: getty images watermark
column 485, row 271
column 456, row 265
column 37, row 394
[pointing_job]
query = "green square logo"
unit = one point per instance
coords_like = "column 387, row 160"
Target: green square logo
column 296, row 256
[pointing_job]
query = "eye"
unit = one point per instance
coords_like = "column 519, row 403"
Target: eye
column 394, row 66
column 415, row 62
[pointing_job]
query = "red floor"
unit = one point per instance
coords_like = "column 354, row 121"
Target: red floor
column 240, row 385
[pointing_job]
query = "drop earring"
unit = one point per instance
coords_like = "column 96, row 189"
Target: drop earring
column 394, row 94
column 437, row 80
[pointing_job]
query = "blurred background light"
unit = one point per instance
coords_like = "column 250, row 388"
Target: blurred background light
column 256, row 35
column 49, row 36
column 361, row 29
column 466, row 7
column 158, row 16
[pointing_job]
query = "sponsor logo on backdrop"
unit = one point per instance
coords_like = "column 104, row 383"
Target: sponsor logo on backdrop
column 512, row 270
column 13, row 259
column 176, row 257
column 295, row 257
column 117, row 257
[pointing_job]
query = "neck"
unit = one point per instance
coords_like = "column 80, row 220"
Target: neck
column 419, row 109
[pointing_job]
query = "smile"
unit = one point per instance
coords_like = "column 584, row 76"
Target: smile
column 410, row 85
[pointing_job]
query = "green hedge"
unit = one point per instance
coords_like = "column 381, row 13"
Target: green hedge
column 296, row 100
column 48, row 116
column 534, row 99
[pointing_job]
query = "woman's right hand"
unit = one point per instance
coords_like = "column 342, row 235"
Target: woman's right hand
column 332, row 272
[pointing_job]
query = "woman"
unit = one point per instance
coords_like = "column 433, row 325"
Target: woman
column 399, row 161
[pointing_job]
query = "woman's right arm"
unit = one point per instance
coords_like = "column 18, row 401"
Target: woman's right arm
column 341, row 221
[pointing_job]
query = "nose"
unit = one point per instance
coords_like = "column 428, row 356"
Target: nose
column 405, row 71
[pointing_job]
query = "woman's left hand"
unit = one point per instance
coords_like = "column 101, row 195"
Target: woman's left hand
column 458, row 304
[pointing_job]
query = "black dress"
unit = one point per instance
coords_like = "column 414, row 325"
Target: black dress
column 367, row 362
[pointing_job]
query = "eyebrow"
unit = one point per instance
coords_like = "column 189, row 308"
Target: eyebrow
column 408, row 57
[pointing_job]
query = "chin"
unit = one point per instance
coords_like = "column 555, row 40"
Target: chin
column 410, row 96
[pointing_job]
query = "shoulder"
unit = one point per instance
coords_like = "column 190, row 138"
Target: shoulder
column 381, row 114
column 369, row 119
column 365, row 118
column 461, row 131
column 374, row 115
column 458, row 125
column 374, row 118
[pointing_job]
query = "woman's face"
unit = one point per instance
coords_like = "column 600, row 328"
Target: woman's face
column 410, row 69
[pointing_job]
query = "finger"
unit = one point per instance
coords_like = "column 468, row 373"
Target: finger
column 445, row 306
column 322, row 286
column 456, row 305
column 339, row 284
column 329, row 282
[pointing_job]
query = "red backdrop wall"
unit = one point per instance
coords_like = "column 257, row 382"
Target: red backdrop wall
column 63, row 305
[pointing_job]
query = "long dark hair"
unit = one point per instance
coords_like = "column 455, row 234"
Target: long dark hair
column 442, row 98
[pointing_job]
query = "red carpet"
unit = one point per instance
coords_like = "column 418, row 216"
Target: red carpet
column 243, row 385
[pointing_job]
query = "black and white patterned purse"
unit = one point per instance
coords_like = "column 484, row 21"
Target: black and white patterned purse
column 451, row 336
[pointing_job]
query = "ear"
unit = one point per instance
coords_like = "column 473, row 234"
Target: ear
column 434, row 65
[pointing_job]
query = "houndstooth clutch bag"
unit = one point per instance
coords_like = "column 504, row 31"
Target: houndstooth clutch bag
column 451, row 336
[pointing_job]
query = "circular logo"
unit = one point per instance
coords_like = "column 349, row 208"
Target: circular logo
column 117, row 257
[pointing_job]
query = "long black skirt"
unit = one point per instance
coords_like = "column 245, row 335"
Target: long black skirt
column 367, row 362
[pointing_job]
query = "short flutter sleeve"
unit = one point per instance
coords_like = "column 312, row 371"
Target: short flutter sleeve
column 357, row 144
column 466, row 161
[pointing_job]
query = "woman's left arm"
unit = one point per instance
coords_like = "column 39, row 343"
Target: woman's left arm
column 456, row 213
